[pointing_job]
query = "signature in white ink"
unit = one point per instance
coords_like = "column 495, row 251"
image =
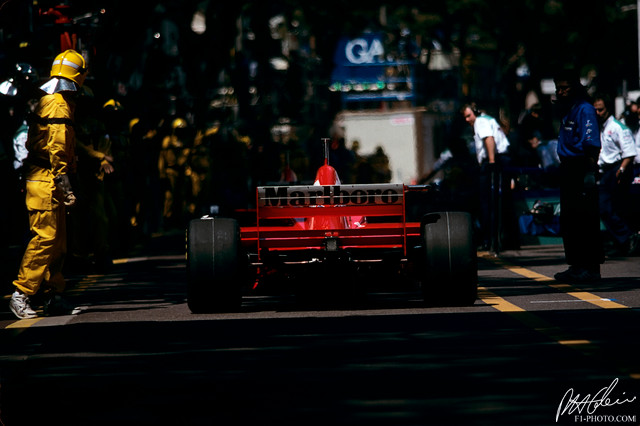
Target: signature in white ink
column 571, row 403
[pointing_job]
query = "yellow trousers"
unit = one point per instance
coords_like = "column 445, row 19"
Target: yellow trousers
column 44, row 256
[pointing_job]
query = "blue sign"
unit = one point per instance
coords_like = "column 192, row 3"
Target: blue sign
column 362, row 71
column 364, row 50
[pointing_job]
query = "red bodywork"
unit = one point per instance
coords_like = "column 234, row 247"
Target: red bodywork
column 359, row 219
column 326, row 238
column 329, row 236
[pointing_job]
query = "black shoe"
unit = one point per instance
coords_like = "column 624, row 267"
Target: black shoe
column 577, row 275
column 57, row 305
column 634, row 245
column 617, row 250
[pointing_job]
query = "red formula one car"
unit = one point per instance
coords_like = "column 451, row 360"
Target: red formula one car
column 332, row 231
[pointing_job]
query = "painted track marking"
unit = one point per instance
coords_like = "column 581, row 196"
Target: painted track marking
column 551, row 282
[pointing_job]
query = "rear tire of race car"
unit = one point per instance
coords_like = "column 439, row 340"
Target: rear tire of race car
column 450, row 273
column 214, row 267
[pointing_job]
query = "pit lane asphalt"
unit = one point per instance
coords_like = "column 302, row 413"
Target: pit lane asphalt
column 136, row 355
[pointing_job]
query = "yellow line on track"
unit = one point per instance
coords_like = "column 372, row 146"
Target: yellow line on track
column 552, row 332
column 527, row 318
column 24, row 323
column 555, row 333
column 497, row 302
column 566, row 288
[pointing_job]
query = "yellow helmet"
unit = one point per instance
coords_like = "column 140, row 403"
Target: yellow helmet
column 70, row 65
column 113, row 104
column 133, row 122
column 179, row 123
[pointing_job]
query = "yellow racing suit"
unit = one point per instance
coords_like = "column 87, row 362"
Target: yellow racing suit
column 51, row 146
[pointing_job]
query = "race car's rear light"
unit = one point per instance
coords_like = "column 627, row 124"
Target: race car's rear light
column 331, row 244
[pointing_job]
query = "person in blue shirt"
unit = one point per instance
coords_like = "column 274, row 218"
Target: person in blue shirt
column 578, row 149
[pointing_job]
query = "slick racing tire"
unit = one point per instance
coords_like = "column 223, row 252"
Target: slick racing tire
column 214, row 266
column 450, row 272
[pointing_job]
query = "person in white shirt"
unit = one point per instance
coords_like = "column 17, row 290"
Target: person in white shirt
column 492, row 148
column 616, row 173
column 490, row 140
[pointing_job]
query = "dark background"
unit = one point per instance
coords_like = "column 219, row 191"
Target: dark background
column 126, row 58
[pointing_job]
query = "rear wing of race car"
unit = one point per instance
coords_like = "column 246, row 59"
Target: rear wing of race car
column 323, row 200
column 304, row 206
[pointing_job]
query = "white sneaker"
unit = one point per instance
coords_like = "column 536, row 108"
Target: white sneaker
column 19, row 305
